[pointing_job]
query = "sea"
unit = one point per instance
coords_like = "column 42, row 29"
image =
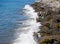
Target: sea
column 11, row 21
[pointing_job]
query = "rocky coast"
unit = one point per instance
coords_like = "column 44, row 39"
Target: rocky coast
column 49, row 18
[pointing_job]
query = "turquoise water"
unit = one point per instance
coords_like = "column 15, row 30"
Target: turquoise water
column 10, row 12
column 9, row 15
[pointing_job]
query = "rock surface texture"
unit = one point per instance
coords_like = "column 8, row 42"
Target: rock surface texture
column 49, row 17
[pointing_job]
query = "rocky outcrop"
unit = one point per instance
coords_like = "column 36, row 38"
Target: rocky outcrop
column 49, row 17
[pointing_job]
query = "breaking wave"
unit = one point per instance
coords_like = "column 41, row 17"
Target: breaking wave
column 24, row 34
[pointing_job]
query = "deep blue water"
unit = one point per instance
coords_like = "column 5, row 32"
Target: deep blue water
column 9, row 15
column 10, row 12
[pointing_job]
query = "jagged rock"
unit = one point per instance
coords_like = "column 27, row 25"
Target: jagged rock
column 49, row 17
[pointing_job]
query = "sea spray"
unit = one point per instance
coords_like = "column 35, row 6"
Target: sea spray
column 24, row 35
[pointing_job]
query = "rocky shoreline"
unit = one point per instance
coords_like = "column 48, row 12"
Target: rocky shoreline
column 49, row 17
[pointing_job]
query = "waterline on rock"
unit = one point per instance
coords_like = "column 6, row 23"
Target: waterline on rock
column 25, row 35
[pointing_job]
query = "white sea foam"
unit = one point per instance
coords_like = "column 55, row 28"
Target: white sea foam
column 26, row 35
column 38, row 0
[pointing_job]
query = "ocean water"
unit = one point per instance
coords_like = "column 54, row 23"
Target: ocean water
column 10, row 12
column 24, row 34
column 11, row 18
